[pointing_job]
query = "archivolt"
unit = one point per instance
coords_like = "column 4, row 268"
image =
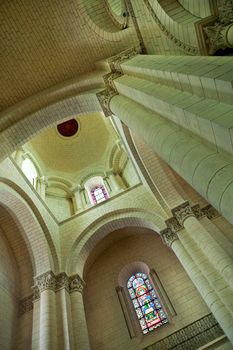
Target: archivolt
column 31, row 226
column 108, row 223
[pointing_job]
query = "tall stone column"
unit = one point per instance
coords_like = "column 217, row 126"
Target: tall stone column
column 80, row 332
column 199, row 164
column 216, row 255
column 216, row 306
column 46, row 284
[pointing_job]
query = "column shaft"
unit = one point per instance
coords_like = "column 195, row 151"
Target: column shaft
column 216, row 306
column 81, row 339
column 65, row 337
column 199, row 164
column 48, row 323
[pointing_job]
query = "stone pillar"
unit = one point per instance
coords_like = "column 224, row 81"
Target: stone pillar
column 64, row 319
column 115, row 184
column 46, row 284
column 216, row 255
column 216, row 306
column 80, row 332
column 199, row 164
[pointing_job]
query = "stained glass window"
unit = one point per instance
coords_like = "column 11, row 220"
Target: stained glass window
column 99, row 194
column 146, row 303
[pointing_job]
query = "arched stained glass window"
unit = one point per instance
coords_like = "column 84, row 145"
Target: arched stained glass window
column 146, row 303
column 99, row 194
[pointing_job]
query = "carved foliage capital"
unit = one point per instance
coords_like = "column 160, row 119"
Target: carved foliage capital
column 62, row 281
column 168, row 236
column 76, row 284
column 25, row 305
column 182, row 212
column 46, row 281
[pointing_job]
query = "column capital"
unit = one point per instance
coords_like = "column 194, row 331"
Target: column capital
column 62, row 281
column 168, row 236
column 115, row 61
column 46, row 281
column 76, row 284
column 182, row 212
column 217, row 37
column 104, row 98
column 25, row 305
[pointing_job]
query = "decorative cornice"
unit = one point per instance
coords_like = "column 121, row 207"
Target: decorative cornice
column 109, row 79
column 115, row 61
column 25, row 305
column 76, row 284
column 168, row 236
column 182, row 212
column 104, row 98
column 193, row 336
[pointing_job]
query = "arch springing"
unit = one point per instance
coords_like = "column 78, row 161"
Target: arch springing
column 146, row 303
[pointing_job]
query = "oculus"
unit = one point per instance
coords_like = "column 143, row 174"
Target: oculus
column 68, row 128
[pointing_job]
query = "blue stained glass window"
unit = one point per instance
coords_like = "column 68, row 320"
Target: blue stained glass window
column 146, row 303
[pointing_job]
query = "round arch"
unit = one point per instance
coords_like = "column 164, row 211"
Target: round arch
column 94, row 233
column 31, row 227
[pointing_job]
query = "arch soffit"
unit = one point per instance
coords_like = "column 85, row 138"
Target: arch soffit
column 94, row 233
column 31, row 226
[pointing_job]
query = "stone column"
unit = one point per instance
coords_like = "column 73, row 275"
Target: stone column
column 216, row 255
column 41, row 187
column 46, row 284
column 216, row 306
column 64, row 319
column 78, row 200
column 116, row 186
column 80, row 332
column 199, row 164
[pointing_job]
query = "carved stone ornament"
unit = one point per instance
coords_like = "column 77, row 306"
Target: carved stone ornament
column 109, row 79
column 217, row 37
column 46, row 281
column 168, row 236
column 174, row 224
column 210, row 212
column 104, row 98
column 76, row 284
column 182, row 212
column 198, row 212
column 25, row 305
column 225, row 10
column 62, row 281
column 36, row 293
column 115, row 61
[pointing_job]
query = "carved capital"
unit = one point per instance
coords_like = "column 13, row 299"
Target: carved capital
column 182, row 212
column 76, row 284
column 104, row 98
column 210, row 212
column 198, row 212
column 46, row 281
column 25, row 305
column 168, row 236
column 174, row 224
column 36, row 293
column 217, row 37
column 115, row 61
column 62, row 281
column 109, row 79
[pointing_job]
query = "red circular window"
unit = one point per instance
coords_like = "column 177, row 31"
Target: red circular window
column 68, row 128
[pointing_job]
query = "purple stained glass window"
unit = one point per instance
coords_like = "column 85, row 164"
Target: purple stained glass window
column 146, row 302
column 99, row 194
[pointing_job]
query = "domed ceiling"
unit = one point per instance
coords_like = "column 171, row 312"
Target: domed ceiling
column 63, row 156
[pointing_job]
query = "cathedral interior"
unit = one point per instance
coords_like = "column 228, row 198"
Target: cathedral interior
column 116, row 174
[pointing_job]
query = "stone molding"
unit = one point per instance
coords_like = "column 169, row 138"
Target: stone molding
column 192, row 337
column 25, row 305
column 189, row 49
column 180, row 214
column 104, row 98
column 115, row 61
